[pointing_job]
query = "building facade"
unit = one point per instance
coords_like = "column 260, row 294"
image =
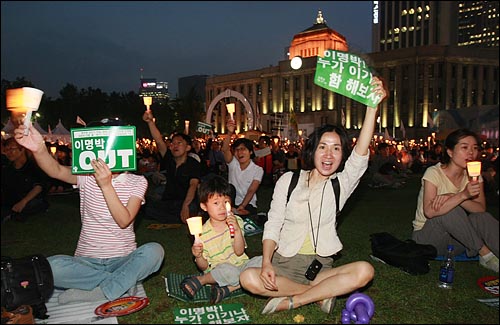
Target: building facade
column 425, row 73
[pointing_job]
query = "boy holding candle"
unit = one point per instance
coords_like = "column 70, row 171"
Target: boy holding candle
column 218, row 253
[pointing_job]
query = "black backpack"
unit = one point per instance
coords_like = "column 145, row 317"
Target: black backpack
column 406, row 255
column 27, row 281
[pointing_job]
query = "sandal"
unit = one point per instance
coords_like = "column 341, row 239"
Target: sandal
column 327, row 305
column 217, row 294
column 273, row 303
column 190, row 286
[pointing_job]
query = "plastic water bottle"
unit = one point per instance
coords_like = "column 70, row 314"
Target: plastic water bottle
column 447, row 270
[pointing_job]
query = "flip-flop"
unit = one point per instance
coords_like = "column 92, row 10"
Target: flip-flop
column 217, row 294
column 190, row 286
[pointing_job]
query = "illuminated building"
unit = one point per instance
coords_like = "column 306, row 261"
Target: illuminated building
column 152, row 88
column 426, row 74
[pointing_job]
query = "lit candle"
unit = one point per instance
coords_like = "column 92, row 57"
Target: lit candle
column 230, row 110
column 147, row 101
column 231, row 227
column 195, row 225
column 22, row 102
column 474, row 169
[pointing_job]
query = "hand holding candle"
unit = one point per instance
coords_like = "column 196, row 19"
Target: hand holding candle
column 195, row 225
column 231, row 227
column 22, row 102
column 474, row 169
column 230, row 110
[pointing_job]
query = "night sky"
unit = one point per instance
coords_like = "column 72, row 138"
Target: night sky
column 104, row 45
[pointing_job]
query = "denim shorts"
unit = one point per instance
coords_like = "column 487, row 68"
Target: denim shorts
column 295, row 267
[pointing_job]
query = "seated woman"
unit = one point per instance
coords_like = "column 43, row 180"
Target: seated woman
column 243, row 174
column 451, row 206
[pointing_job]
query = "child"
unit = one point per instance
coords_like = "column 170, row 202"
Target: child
column 220, row 255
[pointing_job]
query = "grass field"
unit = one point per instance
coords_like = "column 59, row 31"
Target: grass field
column 398, row 297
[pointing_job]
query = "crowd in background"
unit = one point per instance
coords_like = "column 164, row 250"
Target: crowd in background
column 390, row 162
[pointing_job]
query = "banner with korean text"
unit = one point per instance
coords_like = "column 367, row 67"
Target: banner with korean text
column 113, row 144
column 347, row 74
column 214, row 314
column 204, row 128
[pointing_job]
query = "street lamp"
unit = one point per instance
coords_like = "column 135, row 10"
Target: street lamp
column 147, row 101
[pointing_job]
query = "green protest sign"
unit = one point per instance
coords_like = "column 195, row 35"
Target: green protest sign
column 204, row 128
column 113, row 144
column 347, row 74
column 214, row 314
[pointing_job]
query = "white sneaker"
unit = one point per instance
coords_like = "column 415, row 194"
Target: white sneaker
column 491, row 263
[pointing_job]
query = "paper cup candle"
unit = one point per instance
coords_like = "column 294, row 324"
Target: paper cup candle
column 474, row 169
column 147, row 101
column 21, row 102
column 231, row 227
column 230, row 110
column 195, row 225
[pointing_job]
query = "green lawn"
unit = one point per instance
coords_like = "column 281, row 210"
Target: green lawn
column 398, row 297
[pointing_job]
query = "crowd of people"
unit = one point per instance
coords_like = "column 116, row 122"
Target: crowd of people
column 181, row 177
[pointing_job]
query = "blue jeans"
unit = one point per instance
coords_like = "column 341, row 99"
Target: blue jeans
column 115, row 276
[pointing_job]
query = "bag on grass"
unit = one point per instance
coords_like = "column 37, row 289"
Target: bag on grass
column 27, row 281
column 407, row 255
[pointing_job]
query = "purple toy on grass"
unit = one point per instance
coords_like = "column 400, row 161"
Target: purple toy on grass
column 359, row 308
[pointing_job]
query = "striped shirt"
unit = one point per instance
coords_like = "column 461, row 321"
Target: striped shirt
column 100, row 235
column 218, row 248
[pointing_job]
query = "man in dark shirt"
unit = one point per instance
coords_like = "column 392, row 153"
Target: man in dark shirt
column 179, row 200
column 24, row 185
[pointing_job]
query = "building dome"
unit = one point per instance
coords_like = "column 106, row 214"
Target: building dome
column 314, row 40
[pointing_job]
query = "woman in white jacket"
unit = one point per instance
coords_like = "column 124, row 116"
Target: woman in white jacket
column 301, row 233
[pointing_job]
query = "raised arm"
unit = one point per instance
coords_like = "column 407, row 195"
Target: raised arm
column 35, row 143
column 226, row 150
column 368, row 127
column 155, row 132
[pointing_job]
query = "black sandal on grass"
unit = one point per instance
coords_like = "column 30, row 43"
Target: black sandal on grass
column 217, row 294
column 190, row 286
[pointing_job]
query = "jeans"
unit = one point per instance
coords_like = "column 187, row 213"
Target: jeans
column 115, row 276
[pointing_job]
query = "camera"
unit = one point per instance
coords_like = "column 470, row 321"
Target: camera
column 313, row 270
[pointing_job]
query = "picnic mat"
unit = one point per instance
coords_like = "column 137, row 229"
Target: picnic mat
column 250, row 227
column 78, row 313
column 172, row 284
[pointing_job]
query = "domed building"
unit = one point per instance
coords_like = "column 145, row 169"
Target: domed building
column 424, row 84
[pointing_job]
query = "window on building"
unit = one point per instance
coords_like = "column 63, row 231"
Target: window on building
column 296, row 105
column 286, row 85
column 259, row 89
column 249, row 91
column 324, row 99
column 270, row 86
column 308, row 82
column 296, row 83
